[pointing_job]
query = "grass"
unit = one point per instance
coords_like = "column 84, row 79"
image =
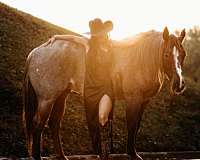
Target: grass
column 169, row 123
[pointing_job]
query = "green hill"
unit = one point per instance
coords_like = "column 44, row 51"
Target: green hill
column 169, row 123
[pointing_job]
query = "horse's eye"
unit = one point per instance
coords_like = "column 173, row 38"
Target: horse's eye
column 166, row 55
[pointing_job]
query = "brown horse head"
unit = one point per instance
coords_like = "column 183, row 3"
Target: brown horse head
column 174, row 55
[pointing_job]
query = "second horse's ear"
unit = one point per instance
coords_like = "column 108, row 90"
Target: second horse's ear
column 166, row 34
column 182, row 36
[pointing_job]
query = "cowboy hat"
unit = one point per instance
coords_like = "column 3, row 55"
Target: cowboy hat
column 97, row 27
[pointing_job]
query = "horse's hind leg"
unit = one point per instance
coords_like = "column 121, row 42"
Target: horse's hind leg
column 39, row 120
column 55, row 123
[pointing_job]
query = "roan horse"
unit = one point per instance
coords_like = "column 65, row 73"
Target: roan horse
column 53, row 71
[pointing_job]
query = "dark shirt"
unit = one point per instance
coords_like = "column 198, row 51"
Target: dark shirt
column 99, row 64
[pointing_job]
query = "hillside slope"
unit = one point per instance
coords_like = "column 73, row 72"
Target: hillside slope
column 169, row 123
column 19, row 34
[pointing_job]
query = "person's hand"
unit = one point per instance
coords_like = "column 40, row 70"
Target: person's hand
column 50, row 41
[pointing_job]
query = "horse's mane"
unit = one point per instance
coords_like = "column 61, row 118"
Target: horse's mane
column 144, row 52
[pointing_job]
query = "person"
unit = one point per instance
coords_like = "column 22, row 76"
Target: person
column 98, row 88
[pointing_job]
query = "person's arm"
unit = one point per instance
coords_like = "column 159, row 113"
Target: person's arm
column 64, row 37
column 77, row 39
column 60, row 37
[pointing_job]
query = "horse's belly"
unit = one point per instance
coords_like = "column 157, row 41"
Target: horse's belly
column 48, row 86
column 137, row 83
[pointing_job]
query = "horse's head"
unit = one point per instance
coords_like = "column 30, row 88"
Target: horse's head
column 173, row 58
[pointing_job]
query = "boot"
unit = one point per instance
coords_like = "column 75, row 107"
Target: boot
column 110, row 136
column 105, row 147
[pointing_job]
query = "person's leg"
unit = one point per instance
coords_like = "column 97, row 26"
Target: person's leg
column 105, row 108
column 93, row 125
column 110, row 130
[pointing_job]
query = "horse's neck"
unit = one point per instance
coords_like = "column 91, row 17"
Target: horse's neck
column 151, row 81
column 156, row 80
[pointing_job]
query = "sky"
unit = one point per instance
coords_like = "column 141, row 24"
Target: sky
column 129, row 16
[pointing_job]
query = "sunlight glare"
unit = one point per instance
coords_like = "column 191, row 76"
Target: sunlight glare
column 129, row 16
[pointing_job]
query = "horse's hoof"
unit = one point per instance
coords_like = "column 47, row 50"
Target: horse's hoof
column 61, row 158
column 35, row 158
column 65, row 158
column 104, row 157
column 136, row 157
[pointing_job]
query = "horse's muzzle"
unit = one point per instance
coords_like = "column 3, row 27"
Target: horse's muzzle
column 178, row 88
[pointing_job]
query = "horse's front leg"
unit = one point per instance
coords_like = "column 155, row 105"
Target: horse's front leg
column 134, row 112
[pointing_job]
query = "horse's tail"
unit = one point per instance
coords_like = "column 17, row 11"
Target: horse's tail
column 30, row 106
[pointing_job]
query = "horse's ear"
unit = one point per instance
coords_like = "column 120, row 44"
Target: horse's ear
column 166, row 34
column 182, row 36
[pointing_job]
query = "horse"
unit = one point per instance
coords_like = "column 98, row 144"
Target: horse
column 141, row 66
column 51, row 73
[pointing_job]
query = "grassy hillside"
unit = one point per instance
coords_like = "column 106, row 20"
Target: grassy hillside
column 19, row 34
column 169, row 123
